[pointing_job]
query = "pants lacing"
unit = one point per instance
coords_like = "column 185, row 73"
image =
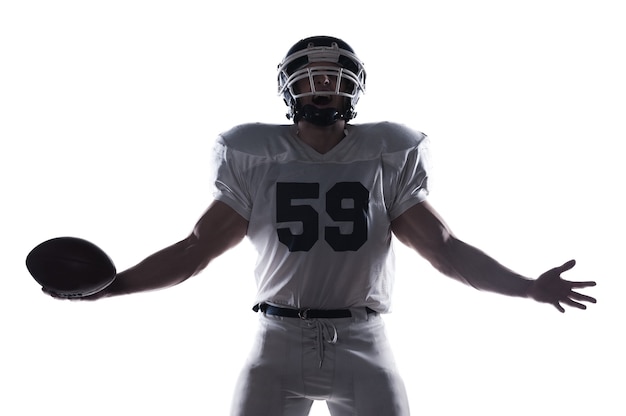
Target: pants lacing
column 325, row 332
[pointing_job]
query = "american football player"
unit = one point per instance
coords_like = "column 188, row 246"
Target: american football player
column 321, row 199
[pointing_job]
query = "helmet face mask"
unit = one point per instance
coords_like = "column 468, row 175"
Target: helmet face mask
column 345, row 82
column 321, row 56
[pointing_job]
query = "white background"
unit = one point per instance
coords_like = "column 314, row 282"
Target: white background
column 108, row 112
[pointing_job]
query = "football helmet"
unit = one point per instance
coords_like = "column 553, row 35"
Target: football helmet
column 343, row 66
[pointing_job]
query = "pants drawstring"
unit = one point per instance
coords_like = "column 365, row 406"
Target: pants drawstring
column 327, row 332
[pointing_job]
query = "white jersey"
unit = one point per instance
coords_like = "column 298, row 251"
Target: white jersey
column 321, row 222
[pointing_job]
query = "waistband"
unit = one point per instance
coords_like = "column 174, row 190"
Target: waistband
column 306, row 313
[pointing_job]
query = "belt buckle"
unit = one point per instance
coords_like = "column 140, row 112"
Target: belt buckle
column 304, row 313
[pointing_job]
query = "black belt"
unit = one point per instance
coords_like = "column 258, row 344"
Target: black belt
column 306, row 313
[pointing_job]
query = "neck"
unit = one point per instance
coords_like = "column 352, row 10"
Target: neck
column 321, row 138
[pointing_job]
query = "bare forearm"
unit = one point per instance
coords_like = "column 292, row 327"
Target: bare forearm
column 422, row 229
column 165, row 268
column 472, row 266
column 219, row 229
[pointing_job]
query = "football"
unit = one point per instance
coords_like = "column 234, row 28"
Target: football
column 70, row 267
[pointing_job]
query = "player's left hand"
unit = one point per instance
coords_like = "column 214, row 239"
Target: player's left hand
column 551, row 288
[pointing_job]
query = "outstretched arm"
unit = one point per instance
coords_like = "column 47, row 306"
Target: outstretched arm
column 219, row 229
column 422, row 229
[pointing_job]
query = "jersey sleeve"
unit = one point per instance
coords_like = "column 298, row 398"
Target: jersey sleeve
column 231, row 187
column 410, row 178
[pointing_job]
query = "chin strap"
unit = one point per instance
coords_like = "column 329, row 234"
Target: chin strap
column 318, row 116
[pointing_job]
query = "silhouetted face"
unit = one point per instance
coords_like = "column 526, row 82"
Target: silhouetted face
column 321, row 82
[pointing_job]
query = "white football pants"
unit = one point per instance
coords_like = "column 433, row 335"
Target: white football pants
column 347, row 362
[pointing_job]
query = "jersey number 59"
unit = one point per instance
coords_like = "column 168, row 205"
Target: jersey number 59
column 338, row 208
